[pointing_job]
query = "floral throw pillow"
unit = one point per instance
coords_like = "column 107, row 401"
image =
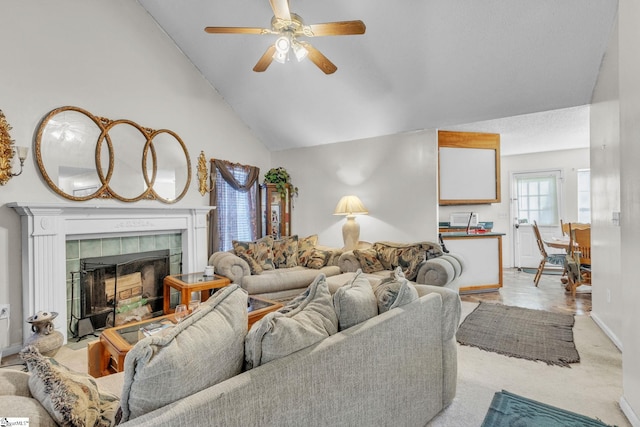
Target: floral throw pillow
column 368, row 259
column 253, row 264
column 318, row 259
column 305, row 248
column 285, row 252
column 394, row 291
column 260, row 250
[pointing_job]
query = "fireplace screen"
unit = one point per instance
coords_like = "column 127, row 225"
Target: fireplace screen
column 122, row 288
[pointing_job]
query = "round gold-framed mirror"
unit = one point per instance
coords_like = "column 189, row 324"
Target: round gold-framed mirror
column 82, row 157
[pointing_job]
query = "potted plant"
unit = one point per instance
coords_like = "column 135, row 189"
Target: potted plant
column 280, row 177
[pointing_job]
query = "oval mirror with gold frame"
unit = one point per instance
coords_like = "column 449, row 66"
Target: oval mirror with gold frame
column 82, row 157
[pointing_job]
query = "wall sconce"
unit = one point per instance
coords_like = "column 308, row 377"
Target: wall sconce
column 22, row 156
column 7, row 151
column 203, row 174
column 350, row 206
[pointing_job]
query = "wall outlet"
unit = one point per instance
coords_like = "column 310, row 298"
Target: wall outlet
column 4, row 311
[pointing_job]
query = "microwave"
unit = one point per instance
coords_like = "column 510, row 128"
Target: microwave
column 461, row 219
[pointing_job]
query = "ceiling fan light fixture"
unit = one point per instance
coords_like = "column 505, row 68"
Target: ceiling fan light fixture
column 283, row 44
column 300, row 51
column 280, row 57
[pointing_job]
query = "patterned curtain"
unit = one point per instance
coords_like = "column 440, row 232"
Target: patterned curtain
column 235, row 196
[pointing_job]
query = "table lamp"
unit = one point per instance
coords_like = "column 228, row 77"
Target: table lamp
column 350, row 206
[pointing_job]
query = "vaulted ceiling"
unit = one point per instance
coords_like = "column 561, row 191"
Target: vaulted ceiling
column 421, row 64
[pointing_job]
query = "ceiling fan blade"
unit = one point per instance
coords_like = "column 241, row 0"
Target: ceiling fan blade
column 281, row 9
column 342, row 28
column 265, row 60
column 236, row 30
column 319, row 59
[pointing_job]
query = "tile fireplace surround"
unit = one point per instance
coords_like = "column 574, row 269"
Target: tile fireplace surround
column 47, row 226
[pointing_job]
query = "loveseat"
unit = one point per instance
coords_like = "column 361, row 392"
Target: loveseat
column 422, row 262
column 398, row 367
column 276, row 268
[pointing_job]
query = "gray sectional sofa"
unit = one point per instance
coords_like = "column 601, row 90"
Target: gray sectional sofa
column 397, row 368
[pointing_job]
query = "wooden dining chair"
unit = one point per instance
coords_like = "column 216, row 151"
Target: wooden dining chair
column 553, row 259
column 566, row 226
column 579, row 259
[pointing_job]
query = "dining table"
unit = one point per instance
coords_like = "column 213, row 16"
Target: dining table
column 559, row 243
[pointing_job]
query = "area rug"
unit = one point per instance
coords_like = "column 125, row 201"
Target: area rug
column 508, row 409
column 521, row 332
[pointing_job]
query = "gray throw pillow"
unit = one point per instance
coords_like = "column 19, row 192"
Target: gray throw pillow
column 308, row 319
column 395, row 291
column 355, row 302
column 206, row 348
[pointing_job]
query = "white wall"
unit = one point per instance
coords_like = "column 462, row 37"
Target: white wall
column 629, row 90
column 607, row 292
column 569, row 161
column 108, row 57
column 394, row 176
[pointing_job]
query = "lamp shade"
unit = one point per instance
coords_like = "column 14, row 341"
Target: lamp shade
column 350, row 205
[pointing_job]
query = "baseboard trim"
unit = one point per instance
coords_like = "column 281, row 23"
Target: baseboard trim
column 11, row 350
column 608, row 332
column 629, row 412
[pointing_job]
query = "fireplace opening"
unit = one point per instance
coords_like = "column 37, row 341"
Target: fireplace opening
column 118, row 289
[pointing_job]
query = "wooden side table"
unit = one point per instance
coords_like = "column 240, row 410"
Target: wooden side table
column 187, row 283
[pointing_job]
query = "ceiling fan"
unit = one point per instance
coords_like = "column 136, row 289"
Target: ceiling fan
column 289, row 27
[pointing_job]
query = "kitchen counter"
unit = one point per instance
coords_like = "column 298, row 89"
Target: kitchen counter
column 472, row 233
column 482, row 253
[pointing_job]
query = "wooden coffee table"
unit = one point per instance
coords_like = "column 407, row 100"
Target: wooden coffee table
column 259, row 307
column 187, row 283
column 115, row 343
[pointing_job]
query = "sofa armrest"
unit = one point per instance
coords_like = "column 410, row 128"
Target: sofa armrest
column 230, row 265
column 440, row 271
column 451, row 308
column 348, row 262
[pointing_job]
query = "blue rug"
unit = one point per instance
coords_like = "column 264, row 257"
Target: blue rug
column 508, row 409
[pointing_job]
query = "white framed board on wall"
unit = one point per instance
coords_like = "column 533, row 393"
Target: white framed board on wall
column 468, row 168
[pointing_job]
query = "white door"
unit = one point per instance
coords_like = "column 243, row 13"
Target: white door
column 536, row 196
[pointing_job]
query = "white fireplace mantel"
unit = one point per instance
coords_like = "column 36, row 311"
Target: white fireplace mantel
column 47, row 226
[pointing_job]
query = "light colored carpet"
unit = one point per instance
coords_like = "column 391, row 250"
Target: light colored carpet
column 592, row 387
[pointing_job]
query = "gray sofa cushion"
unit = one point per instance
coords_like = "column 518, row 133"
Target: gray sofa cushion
column 305, row 321
column 282, row 279
column 394, row 291
column 204, row 349
column 355, row 302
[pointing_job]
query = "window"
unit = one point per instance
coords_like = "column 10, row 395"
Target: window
column 538, row 197
column 236, row 201
column 584, row 195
